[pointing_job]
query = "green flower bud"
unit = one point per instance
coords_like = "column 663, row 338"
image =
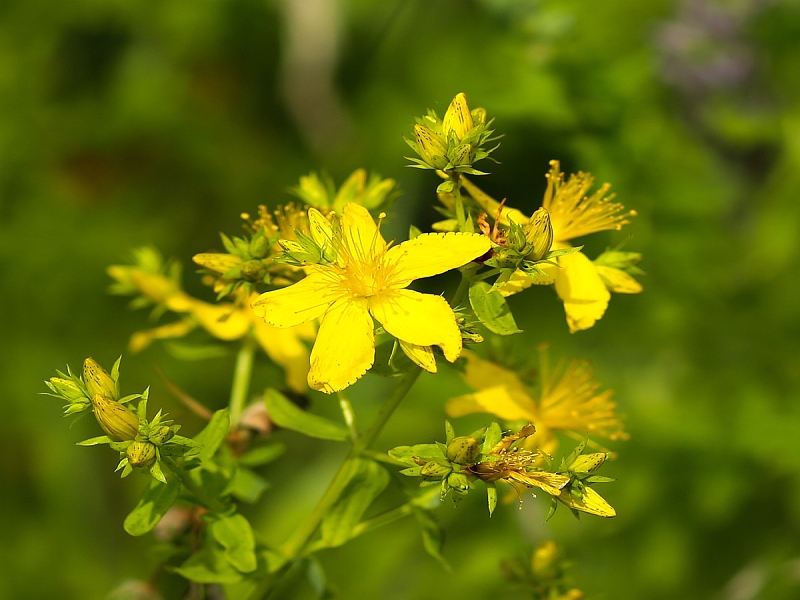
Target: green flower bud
column 253, row 270
column 434, row 470
column 162, row 435
column 463, row 155
column 141, row 454
column 458, row 118
column 66, row 388
column 539, row 234
column 458, row 482
column 259, row 245
column 117, row 420
column 464, row 450
column 430, row 148
column 97, row 380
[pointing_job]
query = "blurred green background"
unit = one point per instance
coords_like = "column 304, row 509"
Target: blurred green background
column 132, row 123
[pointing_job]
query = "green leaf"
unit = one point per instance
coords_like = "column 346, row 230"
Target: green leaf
column 213, row 434
column 157, row 473
column 209, row 565
column 262, row 455
column 432, row 537
column 445, row 187
column 246, row 485
column 493, row 435
column 156, row 501
column 364, row 480
column 286, row 414
column 492, row 309
column 491, row 495
column 235, row 535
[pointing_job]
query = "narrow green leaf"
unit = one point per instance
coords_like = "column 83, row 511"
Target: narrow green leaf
column 432, row 537
column 156, row 501
column 213, row 434
column 286, row 414
column 235, row 535
column 492, row 309
column 491, row 495
column 102, row 439
column 365, row 479
column 406, row 454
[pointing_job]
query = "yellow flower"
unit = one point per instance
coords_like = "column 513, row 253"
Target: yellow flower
column 517, row 466
column 582, row 286
column 367, row 278
column 225, row 321
column 568, row 400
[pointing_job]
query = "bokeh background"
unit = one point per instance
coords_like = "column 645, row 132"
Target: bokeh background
column 132, row 123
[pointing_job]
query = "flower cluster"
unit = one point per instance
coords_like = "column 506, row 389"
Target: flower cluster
column 490, row 456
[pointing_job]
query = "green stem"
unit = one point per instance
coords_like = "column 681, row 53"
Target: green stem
column 241, row 378
column 348, row 414
column 389, row 516
column 214, row 504
column 294, row 545
column 461, row 216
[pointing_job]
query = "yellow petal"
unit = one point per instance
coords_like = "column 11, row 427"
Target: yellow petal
column 345, row 346
column 458, row 117
column 223, row 321
column 618, row 281
column 492, row 206
column 433, row 253
column 422, row 356
column 142, row 339
column 361, row 235
column 301, row 302
column 591, row 502
column 549, row 482
column 584, row 294
column 481, row 374
column 421, row 319
column 496, row 400
column 284, row 347
column 520, row 280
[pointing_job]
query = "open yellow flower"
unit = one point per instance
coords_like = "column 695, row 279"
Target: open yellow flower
column 367, row 278
column 569, row 400
column 582, row 285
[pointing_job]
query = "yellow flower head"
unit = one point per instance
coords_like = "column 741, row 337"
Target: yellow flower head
column 568, row 400
column 517, row 466
column 361, row 278
column 573, row 213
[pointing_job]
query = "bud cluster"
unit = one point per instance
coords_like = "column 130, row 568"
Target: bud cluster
column 141, row 443
column 542, row 573
column 373, row 193
column 454, row 143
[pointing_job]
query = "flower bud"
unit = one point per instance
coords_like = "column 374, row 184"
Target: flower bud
column 463, row 155
column 430, row 148
column 66, row 388
column 253, row 270
column 459, row 482
column 458, row 118
column 97, row 380
column 539, row 234
column 545, row 561
column 463, row 450
column 162, row 435
column 117, row 420
column 434, row 470
column 573, row 594
column 141, row 454
column 586, row 463
column 479, row 116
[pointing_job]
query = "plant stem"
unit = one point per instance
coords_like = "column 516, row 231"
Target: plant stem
column 348, row 414
column 214, row 504
column 294, row 545
column 241, row 378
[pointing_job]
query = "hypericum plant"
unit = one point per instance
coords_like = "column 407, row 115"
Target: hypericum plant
column 327, row 298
